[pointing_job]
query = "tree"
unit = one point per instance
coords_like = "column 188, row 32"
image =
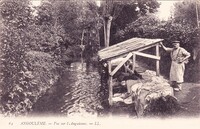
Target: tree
column 112, row 8
column 80, row 21
column 28, row 44
column 185, row 12
column 15, row 75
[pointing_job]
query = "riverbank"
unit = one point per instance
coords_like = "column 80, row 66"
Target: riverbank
column 189, row 99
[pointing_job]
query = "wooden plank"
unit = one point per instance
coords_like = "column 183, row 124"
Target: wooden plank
column 103, row 54
column 121, row 50
column 109, row 50
column 157, row 61
column 110, row 90
column 125, row 69
column 133, row 40
column 134, row 59
column 140, row 45
column 111, row 55
column 121, row 43
column 118, row 48
column 110, row 84
column 121, row 64
column 125, row 54
column 133, row 43
column 147, row 55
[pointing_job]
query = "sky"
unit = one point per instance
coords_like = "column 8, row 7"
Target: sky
column 164, row 12
column 36, row 2
column 166, row 8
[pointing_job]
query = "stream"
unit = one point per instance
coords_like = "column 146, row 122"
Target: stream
column 79, row 92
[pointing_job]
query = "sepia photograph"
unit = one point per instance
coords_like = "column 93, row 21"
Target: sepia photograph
column 100, row 64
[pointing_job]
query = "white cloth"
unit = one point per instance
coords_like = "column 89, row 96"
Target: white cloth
column 177, row 72
column 177, row 69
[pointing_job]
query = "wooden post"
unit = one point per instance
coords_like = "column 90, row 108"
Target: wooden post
column 125, row 68
column 110, row 84
column 147, row 55
column 107, row 25
column 197, row 14
column 133, row 65
column 82, row 47
column 157, row 61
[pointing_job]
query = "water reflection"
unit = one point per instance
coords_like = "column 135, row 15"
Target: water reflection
column 82, row 88
column 78, row 93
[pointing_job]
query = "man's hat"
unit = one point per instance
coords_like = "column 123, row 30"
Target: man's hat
column 176, row 41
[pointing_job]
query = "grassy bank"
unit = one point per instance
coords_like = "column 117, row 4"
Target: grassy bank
column 40, row 73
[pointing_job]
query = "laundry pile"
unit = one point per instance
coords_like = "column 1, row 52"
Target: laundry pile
column 145, row 91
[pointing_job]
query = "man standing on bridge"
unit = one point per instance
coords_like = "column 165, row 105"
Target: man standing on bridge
column 179, row 57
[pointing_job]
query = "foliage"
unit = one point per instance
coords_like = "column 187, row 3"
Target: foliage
column 14, row 72
column 113, row 8
column 77, row 18
column 185, row 12
column 163, row 106
column 150, row 26
column 22, row 80
column 144, row 26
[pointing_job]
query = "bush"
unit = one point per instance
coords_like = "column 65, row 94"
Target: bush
column 25, row 74
column 41, row 74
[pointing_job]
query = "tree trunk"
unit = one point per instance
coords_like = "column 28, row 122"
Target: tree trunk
column 107, row 26
column 98, row 39
column 196, row 58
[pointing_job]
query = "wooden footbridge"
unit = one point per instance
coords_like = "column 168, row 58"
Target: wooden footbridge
column 128, row 49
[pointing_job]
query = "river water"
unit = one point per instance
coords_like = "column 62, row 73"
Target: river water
column 82, row 95
column 79, row 92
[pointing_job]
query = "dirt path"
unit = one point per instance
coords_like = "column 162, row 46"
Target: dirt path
column 189, row 99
